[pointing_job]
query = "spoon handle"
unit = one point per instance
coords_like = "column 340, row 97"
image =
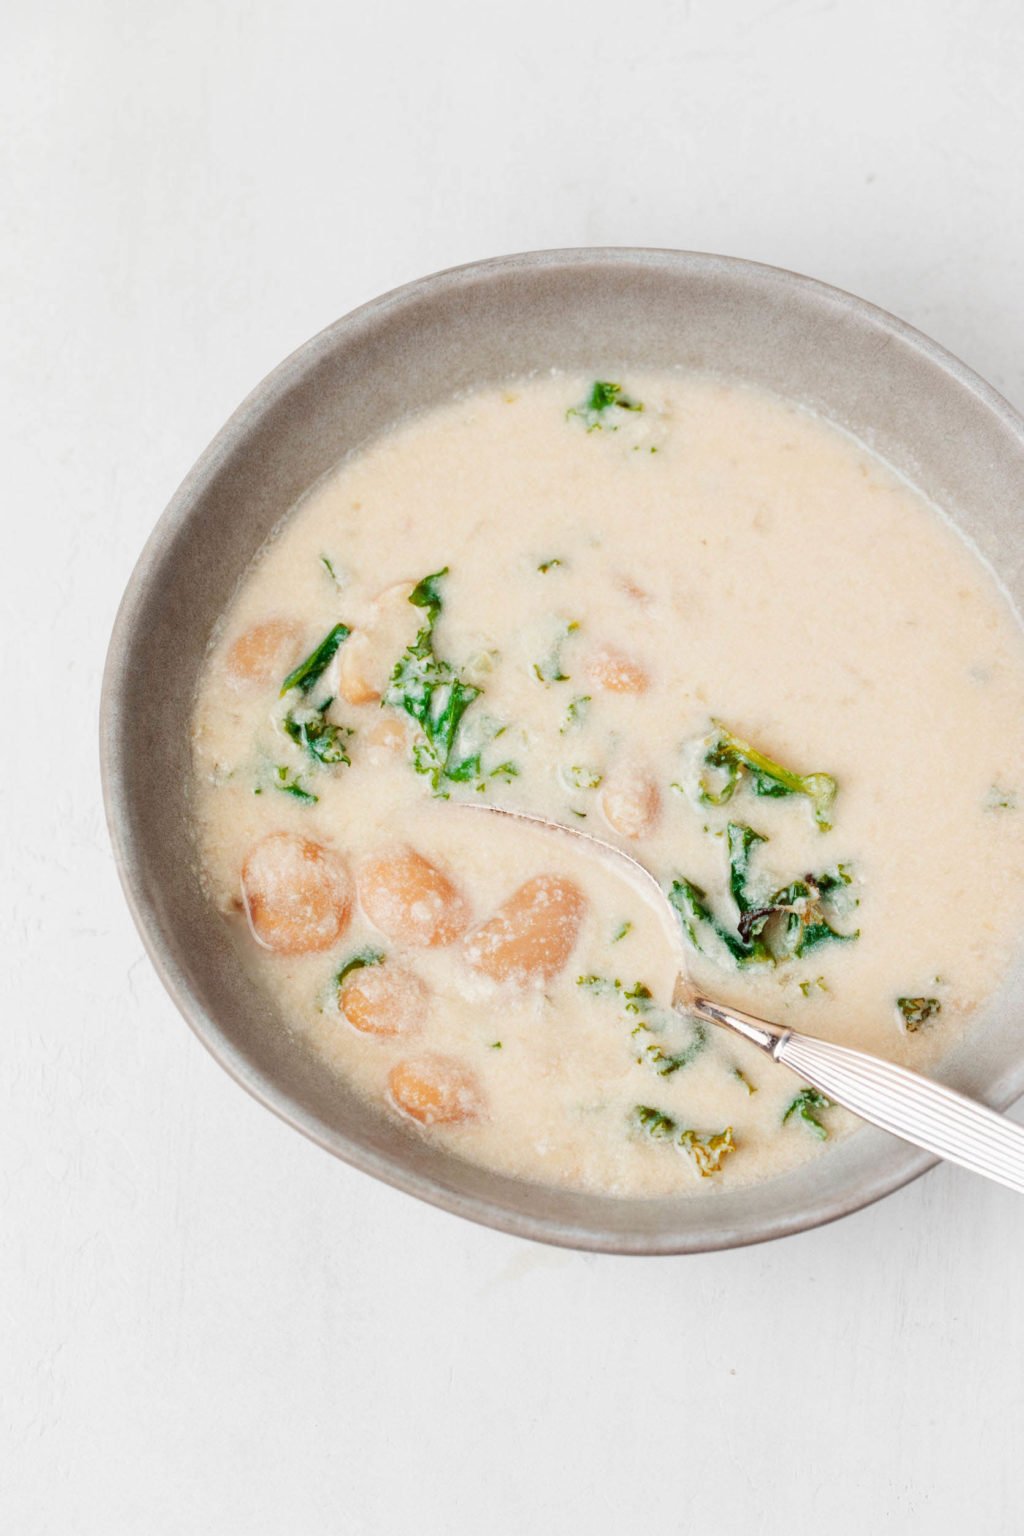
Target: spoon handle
column 902, row 1102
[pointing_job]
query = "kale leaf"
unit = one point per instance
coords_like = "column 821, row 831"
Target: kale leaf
column 706, row 1151
column 596, row 411
column 289, row 784
column 653, row 1021
column 576, row 713
column 691, row 907
column 432, row 693
column 308, row 672
column 727, row 759
column 358, row 961
column 550, row 669
column 807, row 1105
column 656, row 1124
column 779, row 926
column 916, row 1011
column 311, row 730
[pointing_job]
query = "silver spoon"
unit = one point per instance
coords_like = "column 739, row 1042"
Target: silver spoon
column 899, row 1101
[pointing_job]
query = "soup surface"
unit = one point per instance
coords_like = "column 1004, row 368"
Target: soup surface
column 677, row 613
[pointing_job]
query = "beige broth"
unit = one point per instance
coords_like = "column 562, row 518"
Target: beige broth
column 745, row 562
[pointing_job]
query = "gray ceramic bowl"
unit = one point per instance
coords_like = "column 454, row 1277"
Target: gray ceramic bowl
column 599, row 310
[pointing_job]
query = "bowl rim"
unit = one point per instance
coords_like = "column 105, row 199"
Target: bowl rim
column 268, row 392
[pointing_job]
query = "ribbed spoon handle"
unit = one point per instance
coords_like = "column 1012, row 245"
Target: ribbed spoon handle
column 925, row 1113
column 901, row 1102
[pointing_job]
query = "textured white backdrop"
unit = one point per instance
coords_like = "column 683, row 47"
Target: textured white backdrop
column 207, row 1325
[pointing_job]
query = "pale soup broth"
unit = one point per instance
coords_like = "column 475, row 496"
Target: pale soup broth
column 692, row 619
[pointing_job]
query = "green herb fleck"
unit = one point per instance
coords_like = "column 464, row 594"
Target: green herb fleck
column 656, row 1124
column 358, row 961
column 652, row 1022
column 578, row 777
column 807, row 1105
column 741, row 1077
column 576, row 713
column 1000, row 799
column 550, row 669
column 496, row 1045
column 916, row 1011
column 621, row 932
column 596, row 412
column 548, row 565
column 600, row 985
column 665, row 1063
column 639, row 998
column 308, row 672
column 288, row 783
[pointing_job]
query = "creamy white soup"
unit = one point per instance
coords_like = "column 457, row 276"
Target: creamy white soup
column 681, row 614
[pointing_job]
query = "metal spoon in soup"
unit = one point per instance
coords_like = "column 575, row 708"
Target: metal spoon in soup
column 910, row 1106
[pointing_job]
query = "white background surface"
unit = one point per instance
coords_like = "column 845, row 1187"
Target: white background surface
column 208, row 1325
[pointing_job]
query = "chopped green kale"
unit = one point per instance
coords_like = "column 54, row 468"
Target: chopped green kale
column 288, row 783
column 793, row 921
column 601, row 985
column 550, row 669
column 426, row 594
column 697, row 920
column 653, row 1021
column 636, row 999
column 358, row 961
column 807, row 1105
column 656, row 1124
column 666, row 1062
column 308, row 672
column 916, row 1011
column 741, row 842
column 727, row 759
column 578, row 777
column 432, row 693
column 779, row 926
column 311, row 730
column 598, row 410
column 706, row 1151
column 576, row 713
column 639, row 998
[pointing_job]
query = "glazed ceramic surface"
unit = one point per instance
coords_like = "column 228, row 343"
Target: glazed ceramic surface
column 593, row 310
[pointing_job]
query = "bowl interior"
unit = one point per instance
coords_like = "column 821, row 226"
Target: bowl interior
column 595, row 310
